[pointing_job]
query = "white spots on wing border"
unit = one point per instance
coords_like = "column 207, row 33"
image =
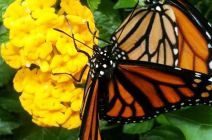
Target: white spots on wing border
column 175, row 50
column 198, row 74
column 176, row 62
column 210, row 64
column 176, row 30
column 177, row 68
column 209, row 46
column 208, row 35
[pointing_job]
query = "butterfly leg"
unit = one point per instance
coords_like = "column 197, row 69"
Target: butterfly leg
column 72, row 76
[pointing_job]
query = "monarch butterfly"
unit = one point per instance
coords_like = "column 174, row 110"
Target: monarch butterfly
column 122, row 87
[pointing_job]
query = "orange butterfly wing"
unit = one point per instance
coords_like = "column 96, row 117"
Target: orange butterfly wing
column 194, row 40
column 90, row 117
column 141, row 90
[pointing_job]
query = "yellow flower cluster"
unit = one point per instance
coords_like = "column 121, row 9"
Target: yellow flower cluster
column 49, row 102
column 52, row 100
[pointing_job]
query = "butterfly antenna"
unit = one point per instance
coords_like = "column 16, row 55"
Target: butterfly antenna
column 133, row 11
column 74, row 40
column 94, row 35
column 72, row 37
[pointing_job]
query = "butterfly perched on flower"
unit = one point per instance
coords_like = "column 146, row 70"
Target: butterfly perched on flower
column 158, row 60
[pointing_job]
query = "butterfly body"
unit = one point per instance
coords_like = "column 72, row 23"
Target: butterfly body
column 104, row 60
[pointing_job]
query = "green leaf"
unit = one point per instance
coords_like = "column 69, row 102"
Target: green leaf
column 161, row 119
column 116, row 133
column 9, row 99
column 31, row 132
column 6, row 73
column 6, row 127
column 199, row 114
column 104, row 125
column 8, row 122
column 104, row 22
column 107, row 19
column 4, row 34
column 195, row 122
column 205, row 7
column 11, row 104
column 3, row 31
column 138, row 128
column 164, row 133
column 125, row 4
column 93, row 4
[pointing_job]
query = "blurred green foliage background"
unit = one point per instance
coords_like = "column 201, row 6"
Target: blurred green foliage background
column 192, row 123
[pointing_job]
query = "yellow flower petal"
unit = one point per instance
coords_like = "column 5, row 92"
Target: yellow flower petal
column 73, row 122
column 44, row 66
column 76, row 105
column 45, row 50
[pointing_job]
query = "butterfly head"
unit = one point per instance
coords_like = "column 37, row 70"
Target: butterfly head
column 104, row 60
